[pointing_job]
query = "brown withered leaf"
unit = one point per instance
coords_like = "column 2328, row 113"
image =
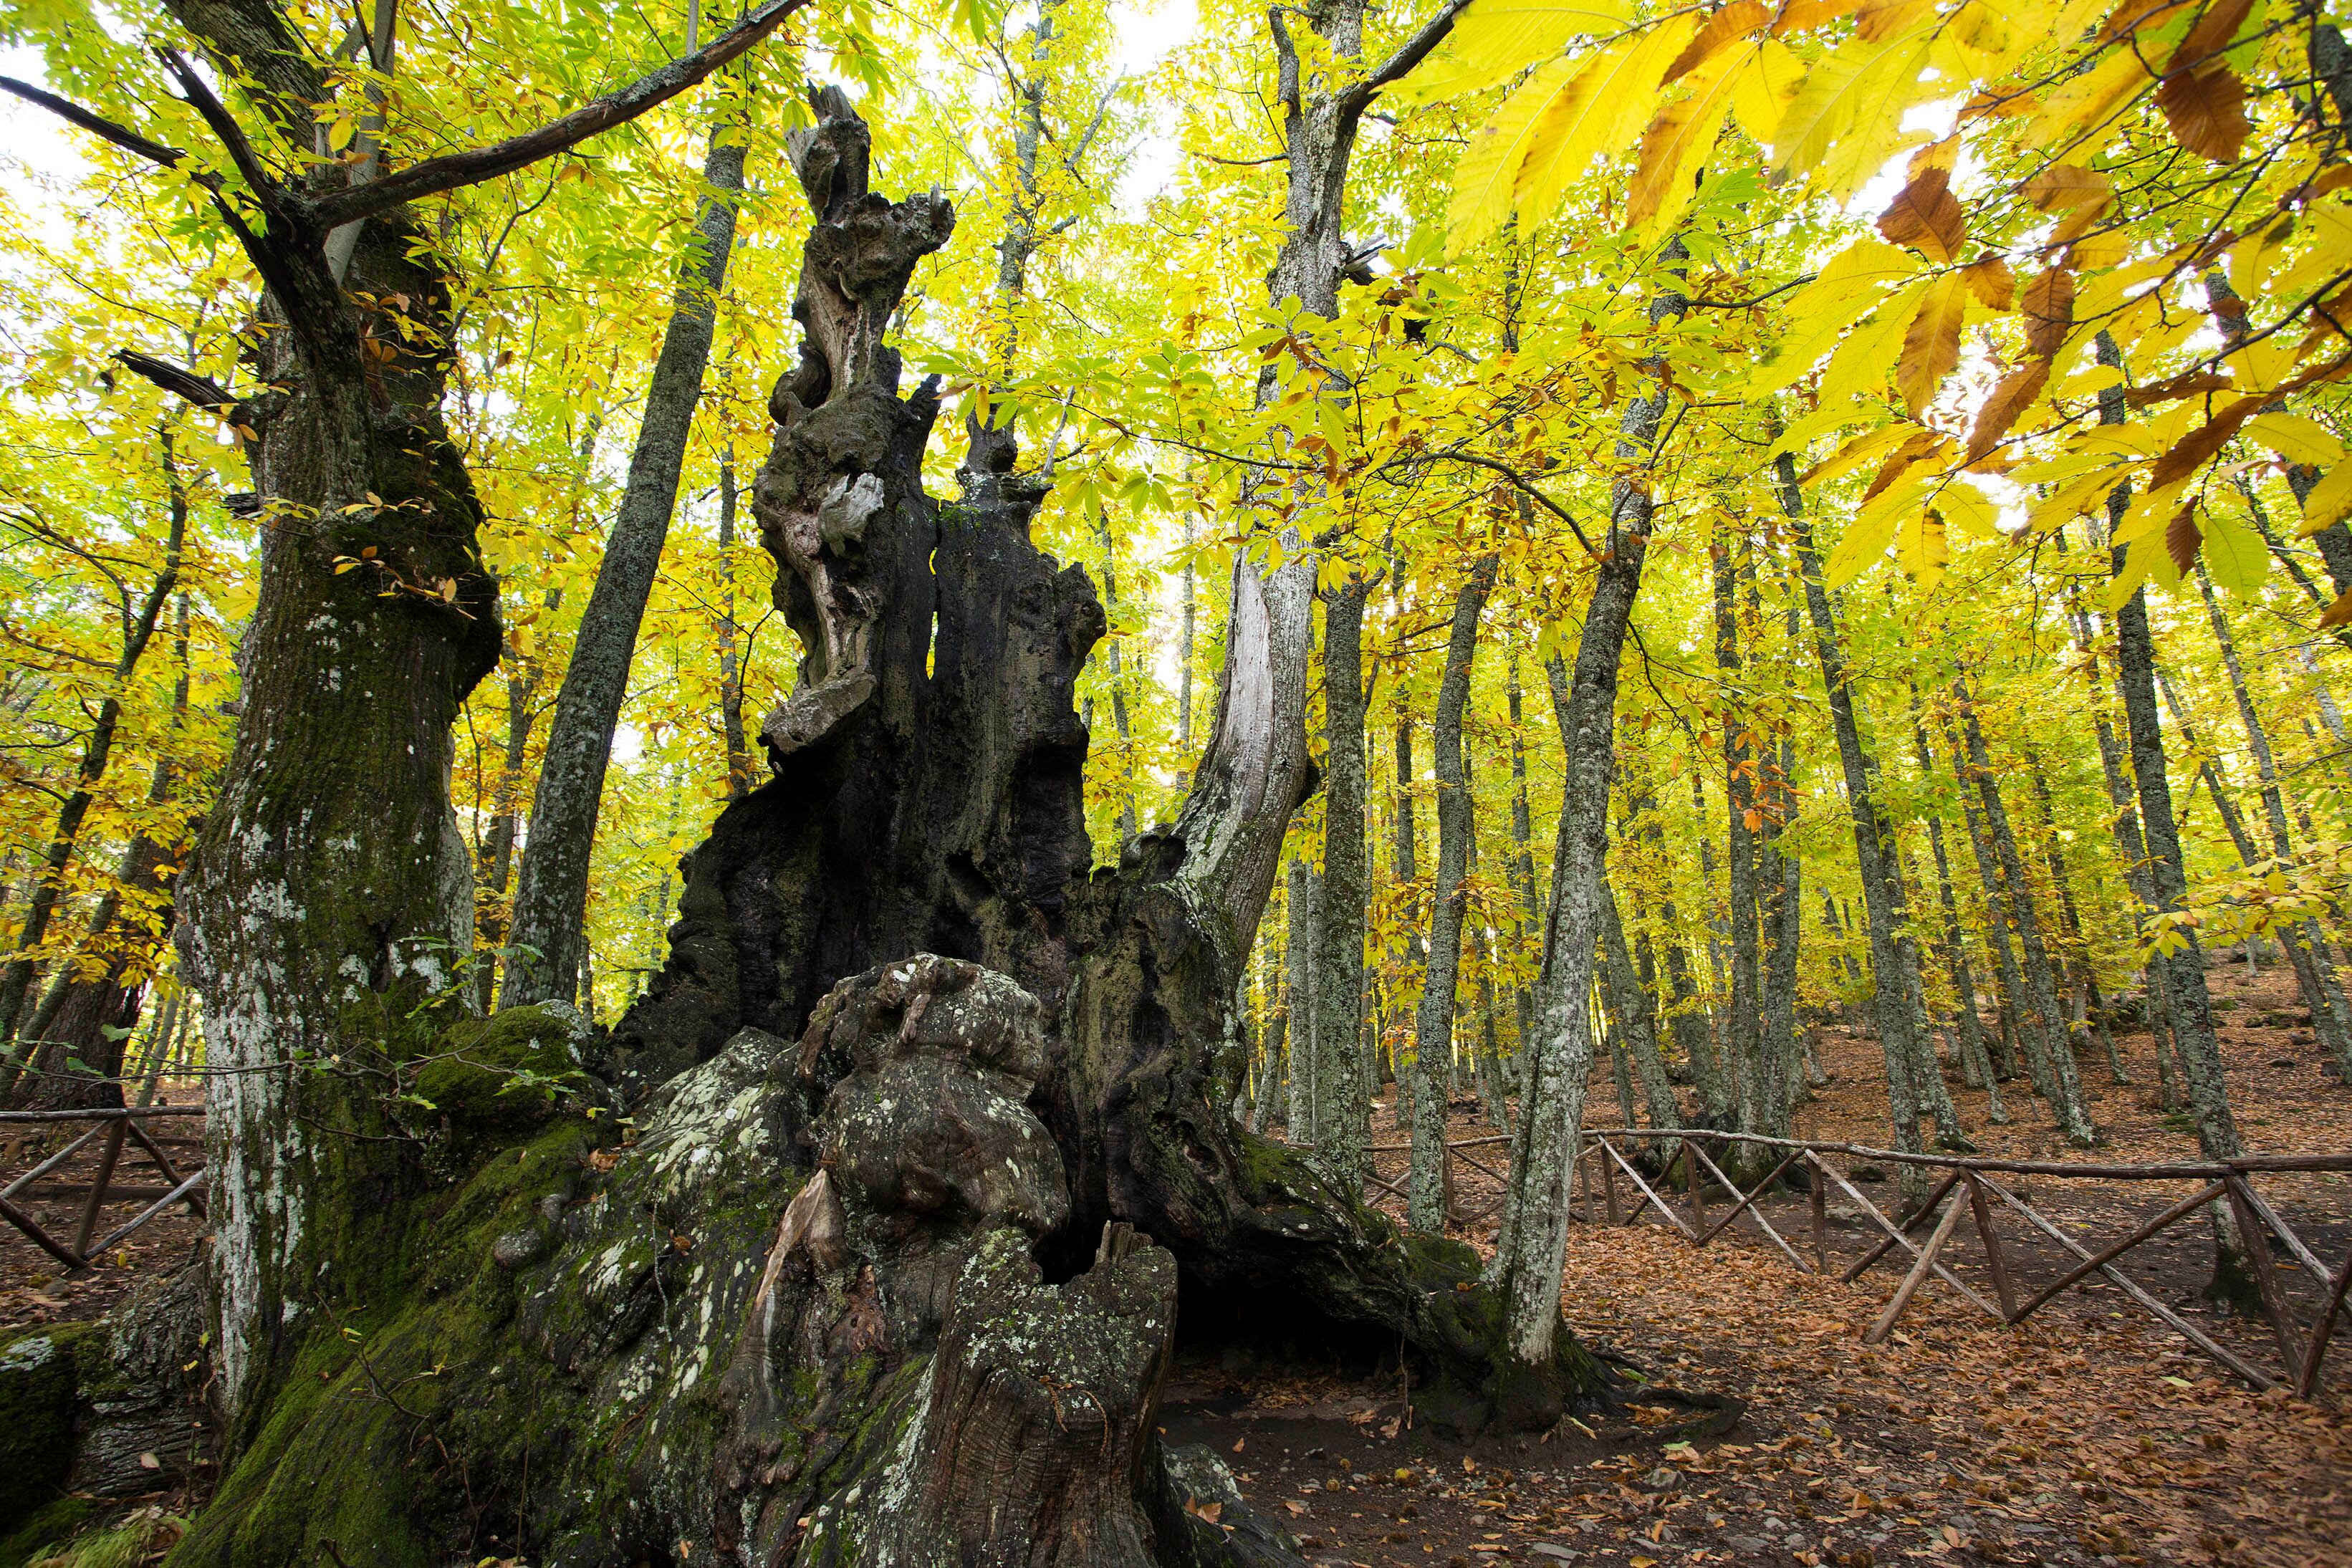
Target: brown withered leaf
column 1918, row 445
column 2211, row 33
column 2183, row 457
column 2132, row 15
column 1879, row 20
column 2063, row 185
column 2011, row 396
column 2187, row 383
column 2336, row 614
column 1932, row 345
column 1993, row 283
column 1736, row 20
column 2049, row 302
column 1803, row 16
column 2206, row 109
column 1925, row 215
column 2182, row 537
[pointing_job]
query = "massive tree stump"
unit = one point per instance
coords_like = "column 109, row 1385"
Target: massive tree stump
column 865, row 1236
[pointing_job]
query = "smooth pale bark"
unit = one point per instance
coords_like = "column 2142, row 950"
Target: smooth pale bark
column 1434, row 1021
column 1532, row 1244
column 2307, row 945
column 552, row 892
column 1342, row 1075
column 1256, row 771
column 2059, row 1083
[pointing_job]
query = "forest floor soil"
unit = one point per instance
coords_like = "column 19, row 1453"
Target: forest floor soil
column 2091, row 1434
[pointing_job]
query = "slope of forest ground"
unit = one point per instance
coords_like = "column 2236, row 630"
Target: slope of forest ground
column 2089, row 1435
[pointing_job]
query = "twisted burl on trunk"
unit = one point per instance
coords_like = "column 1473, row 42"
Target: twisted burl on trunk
column 863, row 1238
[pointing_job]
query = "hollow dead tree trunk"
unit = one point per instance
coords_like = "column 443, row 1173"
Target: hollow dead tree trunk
column 904, row 1292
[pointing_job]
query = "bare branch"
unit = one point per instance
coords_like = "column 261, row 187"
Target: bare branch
column 202, row 390
column 224, row 127
column 1409, row 54
column 98, row 125
column 455, row 170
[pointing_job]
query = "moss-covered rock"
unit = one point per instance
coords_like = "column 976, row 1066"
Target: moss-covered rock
column 511, row 1070
column 40, row 1534
column 37, row 1392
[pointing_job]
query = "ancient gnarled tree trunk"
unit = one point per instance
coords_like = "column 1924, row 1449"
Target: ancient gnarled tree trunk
column 905, row 1292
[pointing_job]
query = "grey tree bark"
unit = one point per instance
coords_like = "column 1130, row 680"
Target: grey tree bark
column 1533, row 1240
column 552, row 892
column 1256, row 771
column 1629, row 1012
column 2307, row 946
column 1434, row 1021
column 1302, row 906
column 1743, row 1017
column 1343, row 1072
column 1977, row 1060
column 2046, row 1037
column 2190, row 1004
column 1893, row 962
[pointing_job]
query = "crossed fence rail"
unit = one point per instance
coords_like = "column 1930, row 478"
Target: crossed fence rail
column 117, row 1125
column 1964, row 1187
column 1969, row 1187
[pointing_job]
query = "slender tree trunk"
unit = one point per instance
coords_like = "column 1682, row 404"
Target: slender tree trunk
column 1893, row 962
column 2123, row 801
column 1533, row 1240
column 1433, row 1023
column 1184, row 658
column 1255, row 770
column 1629, row 1005
column 2058, row 1082
column 739, row 775
column 2232, row 821
column 1304, row 909
column 1343, row 1072
column 97, row 751
column 2179, row 957
column 2307, row 946
column 552, row 895
column 1743, row 1018
column 1977, row 1062
column 2093, row 1004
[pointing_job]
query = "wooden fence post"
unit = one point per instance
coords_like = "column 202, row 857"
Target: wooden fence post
column 2257, row 1246
column 1815, row 1180
column 1609, row 1182
column 1910, row 1286
column 106, row 1159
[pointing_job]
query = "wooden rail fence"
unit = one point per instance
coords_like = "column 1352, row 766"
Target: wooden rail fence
column 117, row 1125
column 1969, row 1188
